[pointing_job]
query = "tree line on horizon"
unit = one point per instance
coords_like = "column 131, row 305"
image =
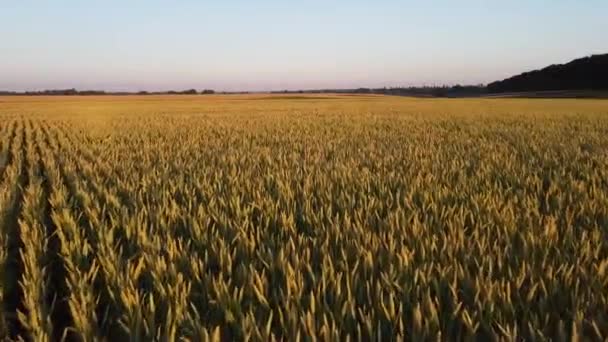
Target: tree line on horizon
column 587, row 73
column 424, row 91
column 73, row 91
column 431, row 91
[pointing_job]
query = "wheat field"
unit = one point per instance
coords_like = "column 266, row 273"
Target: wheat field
column 295, row 218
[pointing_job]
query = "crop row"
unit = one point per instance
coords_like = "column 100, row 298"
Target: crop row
column 297, row 226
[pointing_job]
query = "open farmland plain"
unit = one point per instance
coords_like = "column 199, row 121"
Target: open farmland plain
column 266, row 217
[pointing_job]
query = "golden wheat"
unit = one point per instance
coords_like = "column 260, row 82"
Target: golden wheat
column 268, row 218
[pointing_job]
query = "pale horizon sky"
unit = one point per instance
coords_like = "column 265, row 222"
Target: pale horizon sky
column 273, row 45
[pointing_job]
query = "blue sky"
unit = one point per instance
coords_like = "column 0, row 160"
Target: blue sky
column 261, row 45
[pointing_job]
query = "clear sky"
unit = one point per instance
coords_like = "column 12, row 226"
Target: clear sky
column 266, row 44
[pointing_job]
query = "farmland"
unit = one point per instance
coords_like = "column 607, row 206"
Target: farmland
column 267, row 217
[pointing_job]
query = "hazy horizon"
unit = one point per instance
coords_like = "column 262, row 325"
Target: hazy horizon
column 271, row 45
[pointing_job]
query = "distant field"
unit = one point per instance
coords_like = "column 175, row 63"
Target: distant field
column 286, row 217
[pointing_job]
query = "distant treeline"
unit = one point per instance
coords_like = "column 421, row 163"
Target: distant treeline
column 427, row 91
column 72, row 91
column 588, row 73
